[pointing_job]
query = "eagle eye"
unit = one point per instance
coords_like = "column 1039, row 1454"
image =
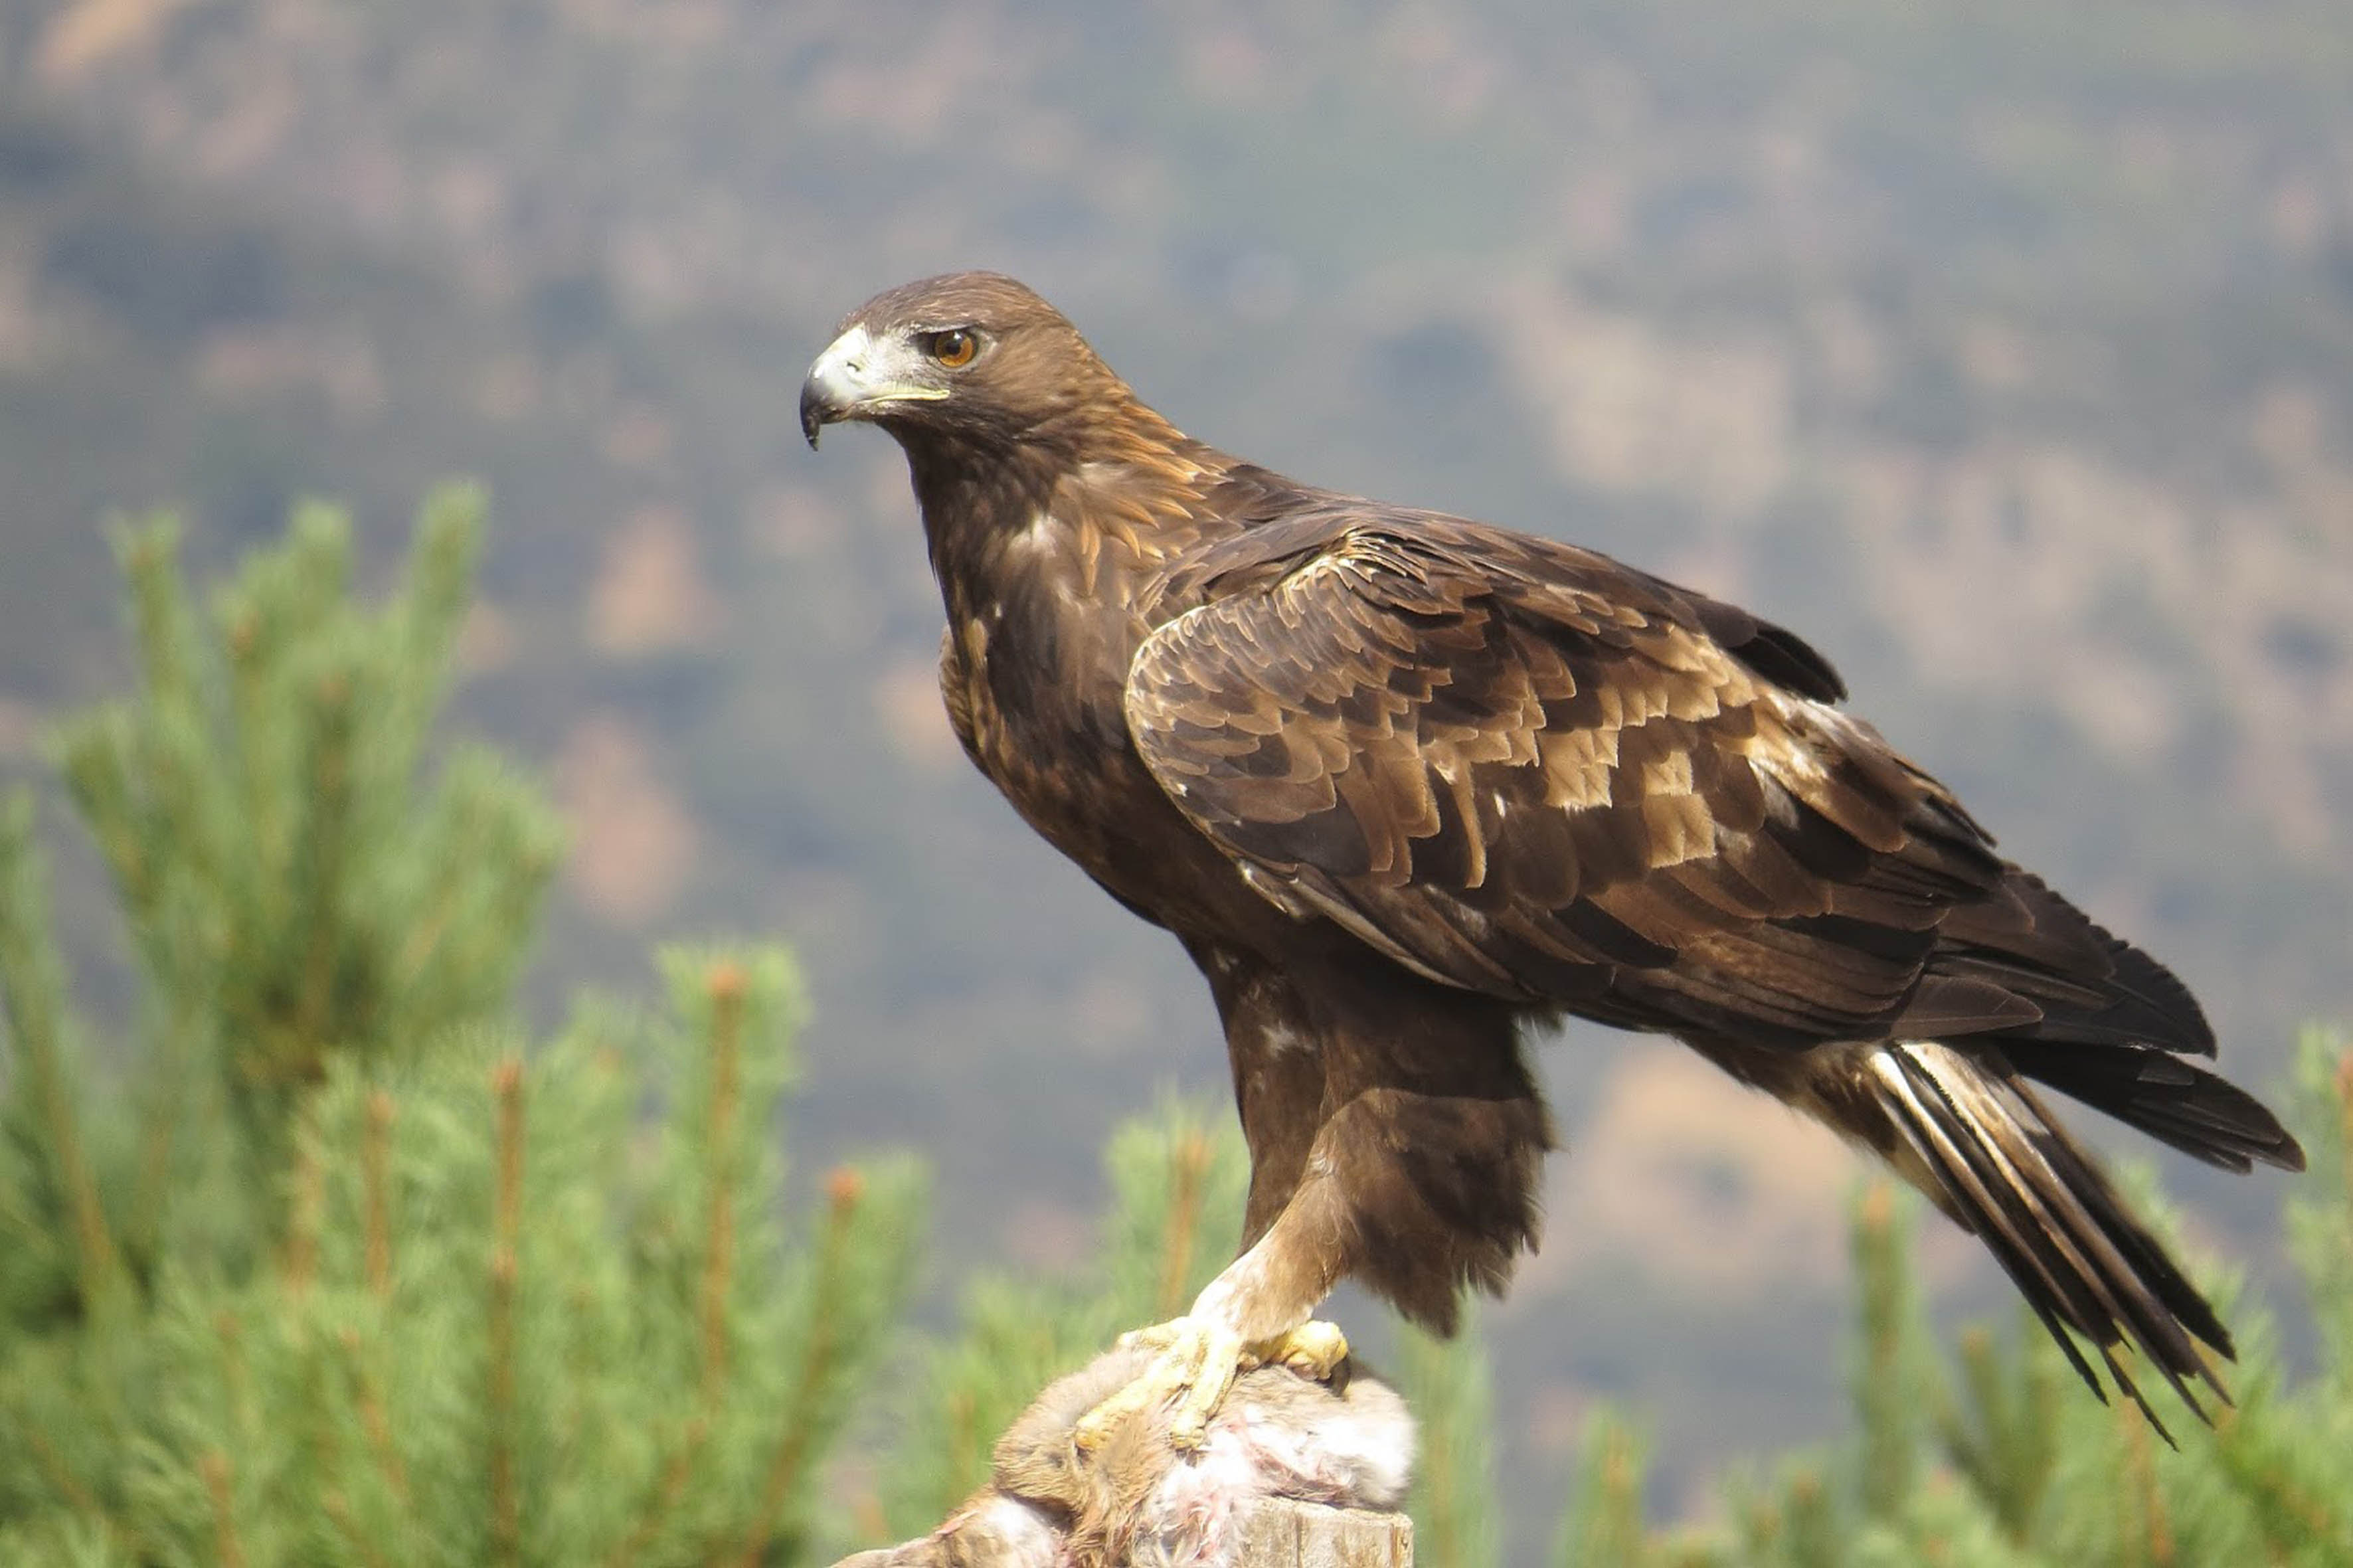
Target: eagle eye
column 953, row 348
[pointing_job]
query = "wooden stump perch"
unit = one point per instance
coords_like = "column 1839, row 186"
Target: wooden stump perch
column 1280, row 1533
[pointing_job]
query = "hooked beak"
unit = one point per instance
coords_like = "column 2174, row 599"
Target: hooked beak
column 817, row 409
column 859, row 375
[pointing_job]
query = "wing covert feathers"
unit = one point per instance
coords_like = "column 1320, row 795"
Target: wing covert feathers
column 1523, row 769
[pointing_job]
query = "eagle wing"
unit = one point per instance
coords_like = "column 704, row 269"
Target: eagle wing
column 1522, row 768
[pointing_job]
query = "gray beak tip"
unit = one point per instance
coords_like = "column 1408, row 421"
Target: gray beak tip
column 812, row 413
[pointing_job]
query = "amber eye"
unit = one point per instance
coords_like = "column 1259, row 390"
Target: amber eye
column 954, row 347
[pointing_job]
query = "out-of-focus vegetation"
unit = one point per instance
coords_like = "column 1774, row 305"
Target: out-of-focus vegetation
column 325, row 1266
column 2004, row 350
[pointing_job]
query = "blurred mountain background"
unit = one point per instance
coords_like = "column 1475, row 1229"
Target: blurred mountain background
column 2005, row 350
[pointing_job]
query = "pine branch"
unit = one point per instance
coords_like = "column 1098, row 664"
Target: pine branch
column 1176, row 1184
column 173, row 749
column 1604, row 1527
column 2005, row 1445
column 1887, row 1388
column 376, row 1421
column 428, row 615
column 663, row 1503
column 726, row 985
column 163, row 1114
column 310, row 1197
column 1189, row 1169
column 1454, row 1507
column 32, row 985
column 229, row 1547
column 2291, row 1517
column 1813, row 1532
column 375, row 1155
column 2142, row 1525
column 324, row 843
column 77, row 1496
column 357, row 1541
column 844, row 1189
column 235, row 1374
column 506, row 1507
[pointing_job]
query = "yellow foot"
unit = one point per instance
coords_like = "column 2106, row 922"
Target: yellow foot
column 1193, row 1364
column 1315, row 1350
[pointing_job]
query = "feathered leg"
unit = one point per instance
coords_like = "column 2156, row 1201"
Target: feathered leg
column 1415, row 1183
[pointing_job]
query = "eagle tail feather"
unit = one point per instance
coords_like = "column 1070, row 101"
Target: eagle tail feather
column 2000, row 1163
column 2172, row 1099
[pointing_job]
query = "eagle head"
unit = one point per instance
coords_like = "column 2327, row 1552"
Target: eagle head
column 970, row 354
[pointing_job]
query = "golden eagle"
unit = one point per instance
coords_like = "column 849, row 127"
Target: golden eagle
column 1409, row 788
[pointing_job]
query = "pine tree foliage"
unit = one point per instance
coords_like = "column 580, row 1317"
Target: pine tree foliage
column 336, row 1269
column 1604, row 1523
column 292, row 885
